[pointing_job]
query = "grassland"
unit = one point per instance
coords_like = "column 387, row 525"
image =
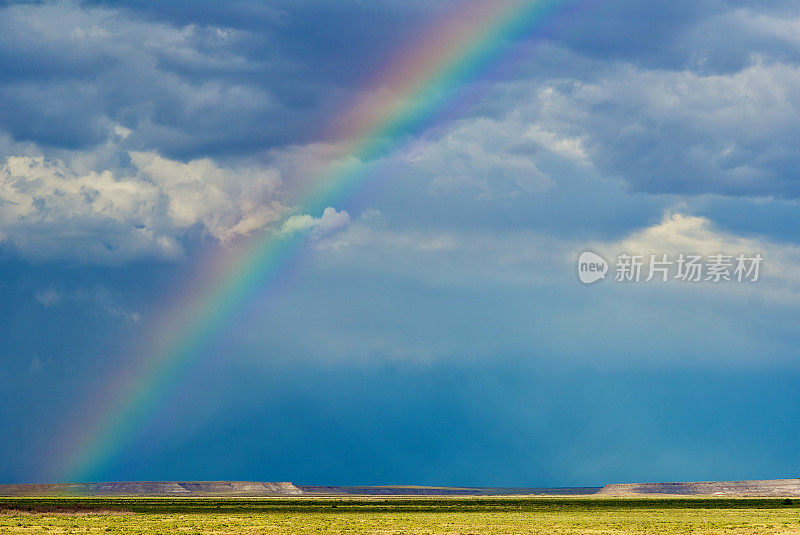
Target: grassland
column 511, row 515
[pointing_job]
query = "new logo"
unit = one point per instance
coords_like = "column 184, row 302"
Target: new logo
column 591, row 267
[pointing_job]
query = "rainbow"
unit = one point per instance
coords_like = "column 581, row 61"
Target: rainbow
column 413, row 90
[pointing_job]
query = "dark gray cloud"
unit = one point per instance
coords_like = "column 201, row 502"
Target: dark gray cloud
column 196, row 79
column 191, row 79
column 71, row 74
column 683, row 132
column 709, row 36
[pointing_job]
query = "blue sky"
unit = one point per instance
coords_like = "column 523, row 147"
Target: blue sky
column 434, row 330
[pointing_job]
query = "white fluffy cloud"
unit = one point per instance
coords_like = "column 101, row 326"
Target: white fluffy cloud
column 678, row 232
column 51, row 209
column 227, row 202
column 330, row 221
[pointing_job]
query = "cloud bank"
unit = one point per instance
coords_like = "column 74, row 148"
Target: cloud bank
column 50, row 209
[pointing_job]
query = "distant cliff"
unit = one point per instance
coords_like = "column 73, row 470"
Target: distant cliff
column 154, row 488
column 766, row 487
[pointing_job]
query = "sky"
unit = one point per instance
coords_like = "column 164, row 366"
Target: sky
column 429, row 326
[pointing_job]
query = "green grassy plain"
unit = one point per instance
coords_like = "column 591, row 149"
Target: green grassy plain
column 379, row 515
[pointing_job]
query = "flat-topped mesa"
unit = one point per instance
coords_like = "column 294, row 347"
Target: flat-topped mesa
column 154, row 488
column 766, row 487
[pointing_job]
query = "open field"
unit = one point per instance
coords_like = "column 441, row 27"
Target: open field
column 451, row 515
